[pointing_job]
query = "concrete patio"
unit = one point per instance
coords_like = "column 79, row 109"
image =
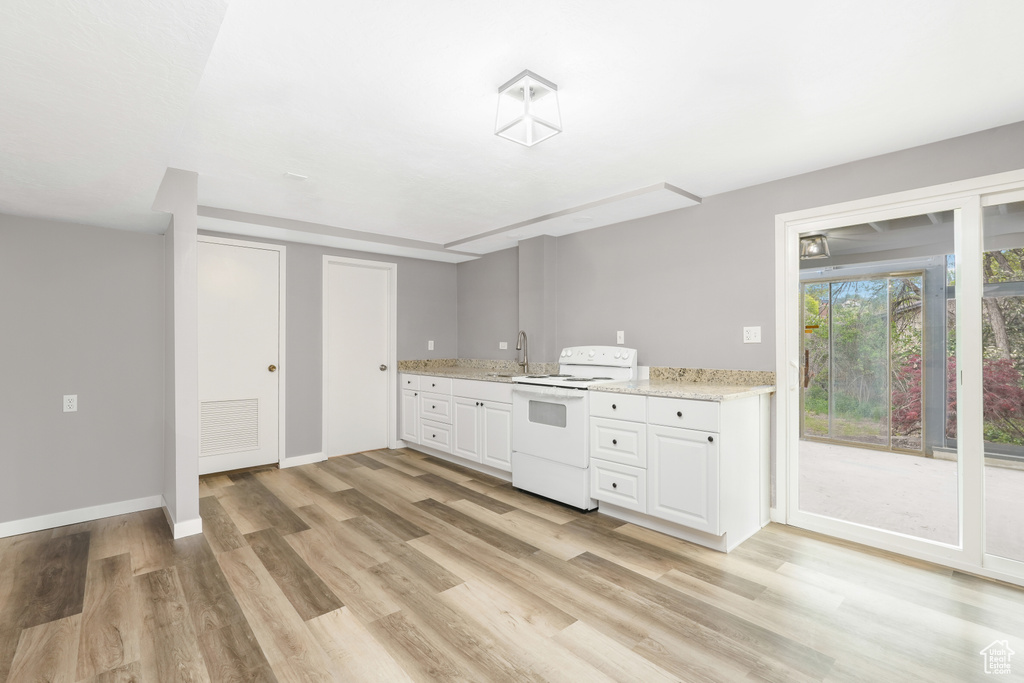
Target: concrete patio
column 909, row 494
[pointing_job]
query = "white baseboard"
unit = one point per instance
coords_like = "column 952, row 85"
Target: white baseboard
column 301, row 460
column 56, row 519
column 189, row 527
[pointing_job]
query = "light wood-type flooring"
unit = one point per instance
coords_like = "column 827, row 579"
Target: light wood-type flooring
column 392, row 566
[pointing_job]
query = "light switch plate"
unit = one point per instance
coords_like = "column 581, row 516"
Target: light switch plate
column 430, row 345
column 752, row 335
column 620, row 337
column 502, row 346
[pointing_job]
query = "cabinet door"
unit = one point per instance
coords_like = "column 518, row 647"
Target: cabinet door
column 682, row 477
column 466, row 443
column 497, row 436
column 410, row 426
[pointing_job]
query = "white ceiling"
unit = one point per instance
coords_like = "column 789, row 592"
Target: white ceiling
column 389, row 107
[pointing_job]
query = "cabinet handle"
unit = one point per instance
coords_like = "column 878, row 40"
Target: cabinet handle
column 433, row 436
column 614, row 407
column 679, row 413
column 614, row 485
column 432, row 384
column 615, row 442
column 711, row 439
column 415, row 393
column 433, row 407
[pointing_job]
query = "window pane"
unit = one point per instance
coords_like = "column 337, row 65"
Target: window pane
column 860, row 361
column 906, row 335
column 816, row 359
column 1003, row 379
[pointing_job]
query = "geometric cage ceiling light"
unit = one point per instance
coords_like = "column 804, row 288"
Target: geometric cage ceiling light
column 528, row 109
column 813, row 246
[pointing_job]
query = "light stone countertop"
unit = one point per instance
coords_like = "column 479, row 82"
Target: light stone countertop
column 694, row 383
column 479, row 374
column 503, row 371
column 701, row 391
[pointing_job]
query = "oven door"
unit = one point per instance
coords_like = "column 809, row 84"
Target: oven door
column 550, row 423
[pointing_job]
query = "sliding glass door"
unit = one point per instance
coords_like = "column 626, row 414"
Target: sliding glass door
column 873, row 343
column 1002, row 333
column 901, row 366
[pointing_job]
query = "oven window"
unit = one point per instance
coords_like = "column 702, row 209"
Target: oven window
column 551, row 414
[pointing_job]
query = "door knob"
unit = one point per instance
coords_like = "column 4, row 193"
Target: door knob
column 272, row 368
column 383, row 367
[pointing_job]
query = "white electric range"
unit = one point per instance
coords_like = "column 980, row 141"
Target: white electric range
column 551, row 455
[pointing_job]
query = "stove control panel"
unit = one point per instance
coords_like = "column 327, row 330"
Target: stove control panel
column 610, row 356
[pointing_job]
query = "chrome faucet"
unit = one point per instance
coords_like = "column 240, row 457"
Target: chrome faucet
column 521, row 346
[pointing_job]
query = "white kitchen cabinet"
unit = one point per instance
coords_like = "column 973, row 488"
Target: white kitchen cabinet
column 695, row 469
column 436, row 435
column 618, row 441
column 621, row 485
column 483, row 425
column 471, row 419
column 436, row 407
column 497, row 435
column 468, row 429
column 682, row 477
column 410, row 416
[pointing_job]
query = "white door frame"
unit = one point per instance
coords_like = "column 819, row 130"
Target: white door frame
column 392, row 371
column 967, row 198
column 282, row 361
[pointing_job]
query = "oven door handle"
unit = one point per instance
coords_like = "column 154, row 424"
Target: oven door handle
column 550, row 392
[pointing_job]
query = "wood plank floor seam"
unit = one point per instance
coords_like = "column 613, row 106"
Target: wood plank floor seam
column 393, row 566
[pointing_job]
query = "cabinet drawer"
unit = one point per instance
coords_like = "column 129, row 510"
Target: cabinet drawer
column 482, row 391
column 409, row 381
column 620, row 485
column 618, row 406
column 436, row 407
column 436, row 435
column 685, row 413
column 619, row 441
column 436, row 385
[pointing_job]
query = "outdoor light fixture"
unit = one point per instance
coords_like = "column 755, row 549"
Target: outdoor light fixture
column 813, row 246
column 528, row 110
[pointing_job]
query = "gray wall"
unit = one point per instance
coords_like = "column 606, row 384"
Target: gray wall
column 682, row 285
column 488, row 310
column 83, row 313
column 427, row 310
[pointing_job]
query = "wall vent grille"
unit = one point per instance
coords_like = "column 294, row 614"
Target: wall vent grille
column 229, row 426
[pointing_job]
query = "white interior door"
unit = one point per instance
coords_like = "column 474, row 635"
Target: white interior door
column 239, row 354
column 358, row 356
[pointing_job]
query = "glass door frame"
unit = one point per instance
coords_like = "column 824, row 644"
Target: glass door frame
column 966, row 199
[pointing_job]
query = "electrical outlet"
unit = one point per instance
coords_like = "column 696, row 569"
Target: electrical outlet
column 430, row 345
column 620, row 337
column 752, row 335
column 502, row 346
column 71, row 403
